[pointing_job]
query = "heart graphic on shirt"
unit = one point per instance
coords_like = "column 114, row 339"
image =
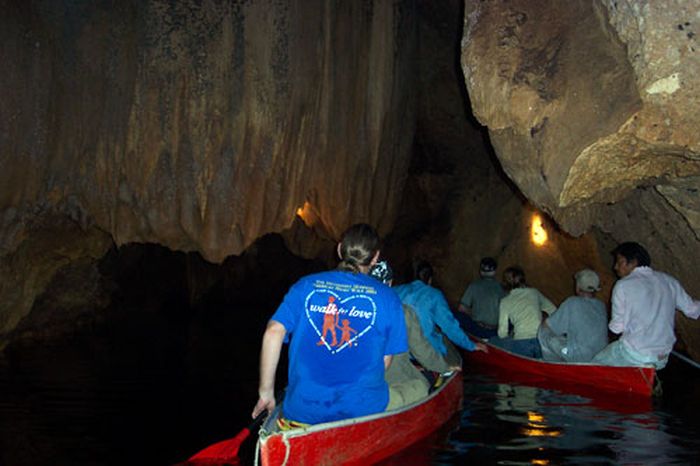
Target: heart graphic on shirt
column 339, row 323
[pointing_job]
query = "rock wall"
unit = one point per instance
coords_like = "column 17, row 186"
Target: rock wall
column 593, row 109
column 587, row 101
column 202, row 125
column 197, row 125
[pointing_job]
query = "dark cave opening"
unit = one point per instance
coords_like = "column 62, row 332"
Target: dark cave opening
column 174, row 346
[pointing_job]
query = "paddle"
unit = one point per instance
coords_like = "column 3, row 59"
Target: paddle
column 226, row 451
column 686, row 359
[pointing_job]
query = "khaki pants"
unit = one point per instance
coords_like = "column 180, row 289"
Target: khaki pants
column 407, row 392
column 452, row 357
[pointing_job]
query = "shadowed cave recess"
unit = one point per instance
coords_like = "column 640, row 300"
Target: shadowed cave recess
column 182, row 163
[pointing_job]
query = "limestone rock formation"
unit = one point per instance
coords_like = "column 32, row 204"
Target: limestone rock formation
column 586, row 101
column 203, row 125
column 593, row 109
column 198, row 125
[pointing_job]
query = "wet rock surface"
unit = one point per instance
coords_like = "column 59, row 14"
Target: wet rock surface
column 592, row 108
column 203, row 126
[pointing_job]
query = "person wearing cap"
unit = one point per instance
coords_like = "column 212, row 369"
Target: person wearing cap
column 578, row 330
column 478, row 308
column 407, row 383
column 522, row 309
column 644, row 302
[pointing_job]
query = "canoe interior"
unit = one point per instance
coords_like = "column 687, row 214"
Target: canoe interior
column 361, row 440
column 579, row 377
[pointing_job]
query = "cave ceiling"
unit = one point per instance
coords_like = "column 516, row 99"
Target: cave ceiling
column 587, row 101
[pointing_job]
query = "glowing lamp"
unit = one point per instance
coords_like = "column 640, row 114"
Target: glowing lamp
column 306, row 214
column 538, row 233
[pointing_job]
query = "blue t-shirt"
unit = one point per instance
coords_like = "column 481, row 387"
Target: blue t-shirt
column 433, row 311
column 341, row 325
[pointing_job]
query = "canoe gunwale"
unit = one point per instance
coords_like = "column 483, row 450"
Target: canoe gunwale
column 264, row 433
column 569, row 372
column 269, row 431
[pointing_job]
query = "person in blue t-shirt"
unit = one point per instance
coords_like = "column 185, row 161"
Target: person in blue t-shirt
column 344, row 327
column 434, row 313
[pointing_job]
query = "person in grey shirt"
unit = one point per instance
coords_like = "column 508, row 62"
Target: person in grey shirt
column 578, row 330
column 478, row 308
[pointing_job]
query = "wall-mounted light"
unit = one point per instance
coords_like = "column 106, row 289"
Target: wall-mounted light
column 307, row 215
column 538, row 234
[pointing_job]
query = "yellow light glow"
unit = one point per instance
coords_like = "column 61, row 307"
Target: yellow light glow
column 307, row 215
column 541, row 433
column 537, row 426
column 538, row 233
column 542, row 462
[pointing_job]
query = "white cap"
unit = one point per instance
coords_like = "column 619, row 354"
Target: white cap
column 587, row 280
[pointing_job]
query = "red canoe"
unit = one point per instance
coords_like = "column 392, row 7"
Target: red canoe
column 362, row 440
column 607, row 379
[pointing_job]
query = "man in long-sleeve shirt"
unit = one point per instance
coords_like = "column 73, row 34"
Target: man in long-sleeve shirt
column 407, row 384
column 434, row 313
column 643, row 307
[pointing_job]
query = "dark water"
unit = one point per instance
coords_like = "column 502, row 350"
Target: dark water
column 514, row 424
column 145, row 394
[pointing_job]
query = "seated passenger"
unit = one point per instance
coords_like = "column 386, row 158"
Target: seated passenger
column 478, row 308
column 522, row 308
column 434, row 313
column 407, row 383
column 344, row 327
column 578, row 330
column 644, row 304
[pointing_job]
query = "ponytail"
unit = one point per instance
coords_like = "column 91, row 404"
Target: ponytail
column 358, row 246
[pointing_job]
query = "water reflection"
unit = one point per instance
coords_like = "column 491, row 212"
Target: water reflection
column 517, row 424
column 81, row 405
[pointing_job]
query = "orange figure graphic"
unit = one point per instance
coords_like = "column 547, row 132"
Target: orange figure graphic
column 346, row 329
column 330, row 322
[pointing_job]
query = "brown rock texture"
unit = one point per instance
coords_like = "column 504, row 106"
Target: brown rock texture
column 585, row 101
column 202, row 125
column 593, row 109
column 59, row 254
column 197, row 125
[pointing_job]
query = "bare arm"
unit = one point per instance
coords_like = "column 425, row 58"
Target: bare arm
column 269, row 358
column 545, row 326
column 387, row 360
column 481, row 347
column 465, row 309
column 502, row 322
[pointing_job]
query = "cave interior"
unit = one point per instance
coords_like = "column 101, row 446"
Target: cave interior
column 180, row 164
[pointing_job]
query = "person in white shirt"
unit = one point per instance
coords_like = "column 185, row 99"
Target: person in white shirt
column 643, row 311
